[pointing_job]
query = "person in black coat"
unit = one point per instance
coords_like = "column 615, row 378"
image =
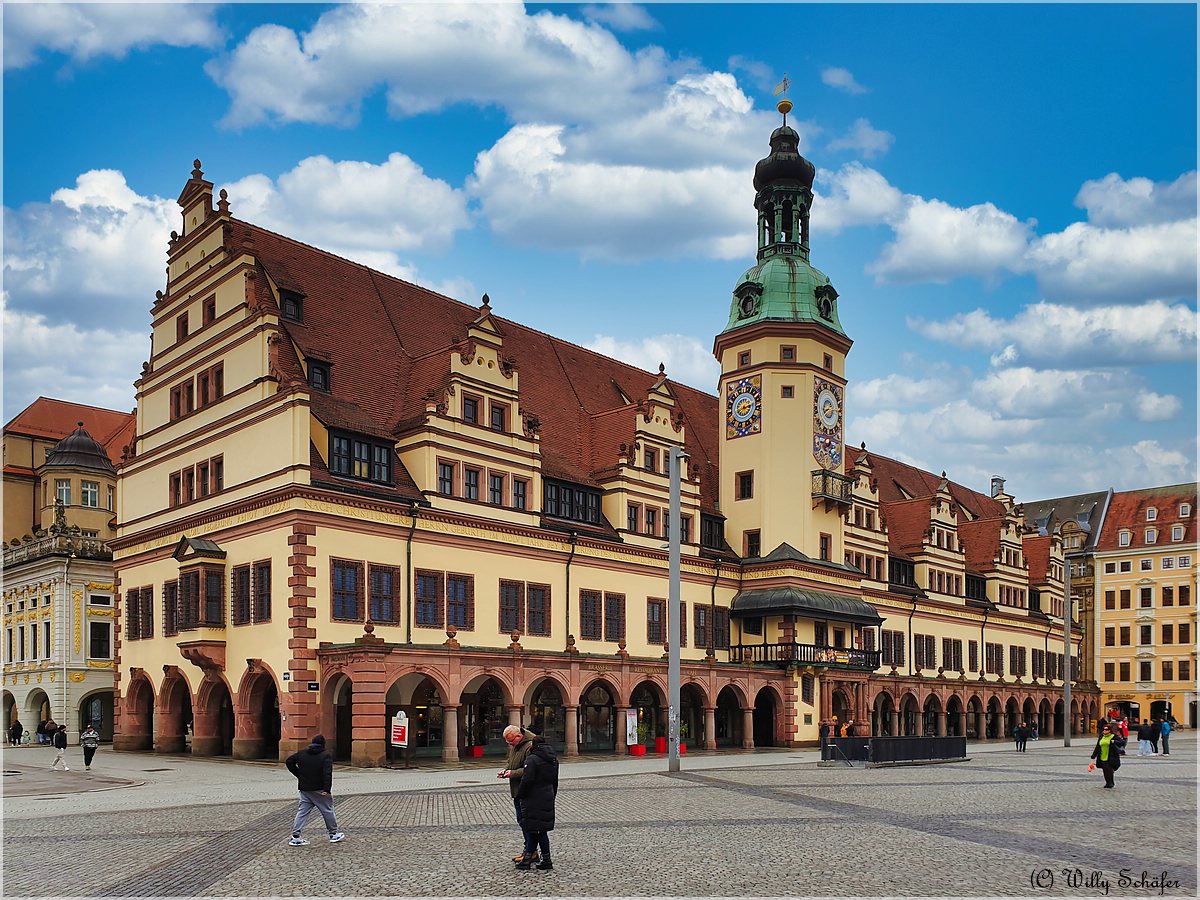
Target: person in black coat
column 537, row 790
column 313, row 769
column 1106, row 755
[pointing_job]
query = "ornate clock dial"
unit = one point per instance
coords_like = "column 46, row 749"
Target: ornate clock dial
column 828, row 409
column 744, row 407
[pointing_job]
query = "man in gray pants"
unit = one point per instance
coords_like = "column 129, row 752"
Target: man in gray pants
column 313, row 768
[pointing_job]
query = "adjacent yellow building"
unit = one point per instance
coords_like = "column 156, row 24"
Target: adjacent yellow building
column 1145, row 577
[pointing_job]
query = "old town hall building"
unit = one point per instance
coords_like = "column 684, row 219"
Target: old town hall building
column 350, row 495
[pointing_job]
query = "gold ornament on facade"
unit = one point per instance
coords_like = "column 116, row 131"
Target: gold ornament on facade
column 78, row 597
column 78, row 676
column 100, row 664
column 97, row 586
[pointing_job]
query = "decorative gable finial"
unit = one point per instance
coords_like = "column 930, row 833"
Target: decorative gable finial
column 487, row 304
column 197, row 174
column 223, row 203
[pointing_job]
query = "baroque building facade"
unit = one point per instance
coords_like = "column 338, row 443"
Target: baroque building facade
column 1145, row 589
column 59, row 601
column 349, row 495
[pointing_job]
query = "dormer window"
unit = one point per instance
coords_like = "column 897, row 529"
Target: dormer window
column 362, row 458
column 1151, row 535
column 748, row 295
column 291, row 306
column 1151, row 513
column 1123, row 538
column 1177, row 532
column 1185, row 510
column 318, row 376
column 826, row 296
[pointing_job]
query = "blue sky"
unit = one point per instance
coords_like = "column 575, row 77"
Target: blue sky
column 1006, row 194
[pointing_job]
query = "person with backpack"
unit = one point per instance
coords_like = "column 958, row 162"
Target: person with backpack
column 536, row 792
column 59, row 739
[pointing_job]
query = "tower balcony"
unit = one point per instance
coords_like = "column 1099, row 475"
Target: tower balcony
column 790, row 653
column 832, row 488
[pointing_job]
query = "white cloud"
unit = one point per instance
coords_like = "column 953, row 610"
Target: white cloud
column 93, row 255
column 104, row 362
column 937, row 242
column 842, row 79
column 1023, row 391
column 1088, row 264
column 1052, row 334
column 687, row 359
column 532, row 193
column 621, row 16
column 857, row 196
column 897, row 391
column 1148, row 406
column 864, row 139
column 85, row 31
column 760, row 73
column 541, row 67
column 1114, row 202
column 367, row 211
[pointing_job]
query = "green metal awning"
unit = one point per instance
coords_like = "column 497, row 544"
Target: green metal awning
column 810, row 604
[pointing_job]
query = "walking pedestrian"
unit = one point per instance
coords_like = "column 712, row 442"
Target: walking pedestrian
column 59, row 739
column 1021, row 735
column 1166, row 737
column 1143, row 736
column 536, row 794
column 90, row 739
column 313, row 768
column 41, row 731
column 15, row 732
column 1155, row 731
column 520, row 743
column 1105, row 754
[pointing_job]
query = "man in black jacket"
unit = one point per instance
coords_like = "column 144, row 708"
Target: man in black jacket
column 313, row 769
column 59, row 739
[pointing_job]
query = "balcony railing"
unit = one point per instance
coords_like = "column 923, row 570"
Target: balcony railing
column 56, row 543
column 831, row 487
column 785, row 654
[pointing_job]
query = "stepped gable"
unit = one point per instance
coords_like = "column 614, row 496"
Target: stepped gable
column 1128, row 510
column 389, row 343
column 51, row 419
column 980, row 540
column 1037, row 558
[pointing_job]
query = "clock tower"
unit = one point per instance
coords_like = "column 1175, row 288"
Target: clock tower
column 782, row 387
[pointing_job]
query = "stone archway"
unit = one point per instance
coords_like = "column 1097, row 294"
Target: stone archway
column 766, row 716
column 173, row 718
column 842, row 708
column 956, row 718
column 597, row 718
column 484, row 713
column 910, row 716
column 691, row 715
column 930, row 713
column 258, row 723
column 975, row 719
column 547, row 714
column 37, row 708
column 994, row 727
column 1029, row 713
column 1012, row 717
column 137, row 716
column 884, row 715
column 1057, row 722
column 96, row 709
column 212, row 730
column 728, row 725
column 337, row 717
column 1045, row 719
column 650, row 705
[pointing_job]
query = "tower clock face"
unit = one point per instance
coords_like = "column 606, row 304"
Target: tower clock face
column 827, row 424
column 743, row 407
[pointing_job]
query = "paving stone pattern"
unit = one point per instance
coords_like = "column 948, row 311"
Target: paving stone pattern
column 992, row 826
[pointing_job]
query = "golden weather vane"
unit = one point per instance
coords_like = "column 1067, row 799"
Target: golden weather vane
column 784, row 105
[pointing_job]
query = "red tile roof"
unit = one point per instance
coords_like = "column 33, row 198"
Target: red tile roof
column 907, row 525
column 1037, row 557
column 390, row 341
column 1127, row 510
column 900, row 481
column 980, row 541
column 50, row 419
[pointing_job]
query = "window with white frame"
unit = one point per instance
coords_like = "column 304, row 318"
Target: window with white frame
column 1151, row 513
column 1185, row 510
column 1151, row 535
column 1146, row 565
column 1124, row 538
column 89, row 494
column 1184, row 562
column 62, row 491
column 1168, row 562
column 1177, row 532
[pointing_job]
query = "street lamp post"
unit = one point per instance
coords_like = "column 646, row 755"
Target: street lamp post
column 675, row 525
column 1067, row 615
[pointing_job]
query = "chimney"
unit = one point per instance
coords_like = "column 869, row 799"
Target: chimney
column 997, row 485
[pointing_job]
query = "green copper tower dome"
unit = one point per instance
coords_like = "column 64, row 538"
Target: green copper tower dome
column 782, row 286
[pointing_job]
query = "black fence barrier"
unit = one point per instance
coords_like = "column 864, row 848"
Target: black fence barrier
column 847, row 748
column 913, row 749
column 883, row 750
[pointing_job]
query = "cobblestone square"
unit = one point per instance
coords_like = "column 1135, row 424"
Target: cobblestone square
column 999, row 824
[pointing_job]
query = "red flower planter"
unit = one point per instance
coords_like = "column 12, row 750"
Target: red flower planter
column 475, row 751
column 660, row 745
column 637, row 749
